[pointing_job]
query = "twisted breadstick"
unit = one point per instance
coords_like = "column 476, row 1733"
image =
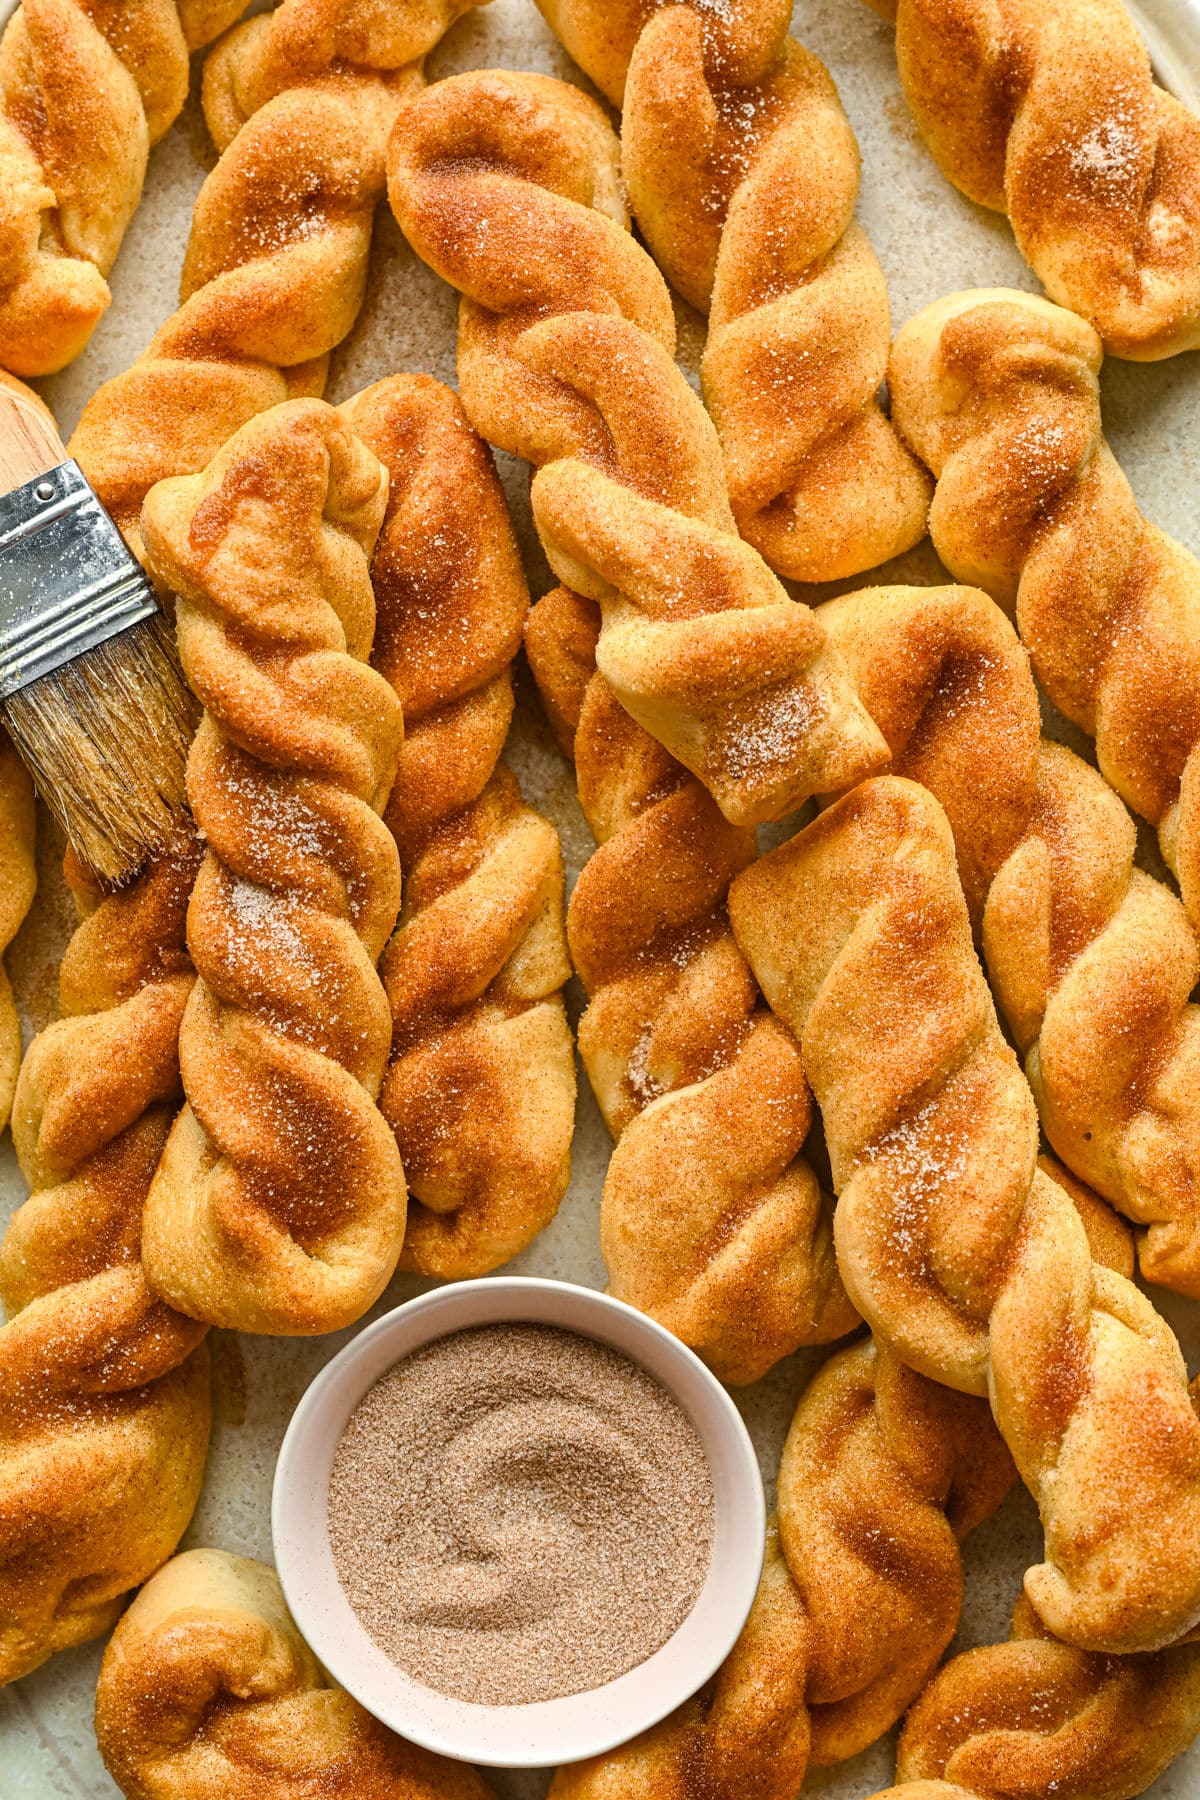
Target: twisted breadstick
column 276, row 263
column 743, row 175
column 1038, row 1719
column 508, row 186
column 104, row 1401
column 279, row 1202
column 1047, row 110
column 208, row 1692
column 480, row 1090
column 1091, row 960
column 711, row 1220
column 882, row 1475
column 997, row 392
column 968, row 1260
column 85, row 91
column 18, row 878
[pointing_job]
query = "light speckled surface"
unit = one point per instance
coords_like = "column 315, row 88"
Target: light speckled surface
column 930, row 242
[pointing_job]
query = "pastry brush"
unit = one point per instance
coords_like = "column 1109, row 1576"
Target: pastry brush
column 90, row 685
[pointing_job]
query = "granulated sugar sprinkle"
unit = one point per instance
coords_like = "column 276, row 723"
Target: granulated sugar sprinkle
column 518, row 1512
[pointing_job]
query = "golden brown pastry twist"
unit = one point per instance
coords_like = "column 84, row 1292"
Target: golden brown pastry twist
column 104, row 1396
column 743, row 175
column 1091, row 961
column 712, row 1221
column 508, row 186
column 968, row 1260
column 997, row 391
column 208, row 1692
column 882, row 1475
column 1037, row 1719
column 86, row 90
column 1047, row 110
column 279, row 1202
column 276, row 262
column 18, row 879
column 480, row 1090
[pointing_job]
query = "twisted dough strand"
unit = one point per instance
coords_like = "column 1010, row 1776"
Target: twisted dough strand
column 743, row 174
column 1092, row 962
column 276, row 262
column 18, row 879
column 711, row 1219
column 480, row 1090
column 1036, row 1718
column 1047, row 110
column 966, row 1258
column 279, row 1202
column 997, row 391
column 208, row 1692
column 104, row 1396
column 86, row 90
column 507, row 185
column 883, row 1474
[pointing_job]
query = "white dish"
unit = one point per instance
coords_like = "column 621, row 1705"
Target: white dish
column 551, row 1731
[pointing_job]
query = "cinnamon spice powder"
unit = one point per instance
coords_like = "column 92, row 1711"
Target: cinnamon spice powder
column 518, row 1513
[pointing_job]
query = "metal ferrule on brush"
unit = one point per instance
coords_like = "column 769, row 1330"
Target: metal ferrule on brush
column 68, row 581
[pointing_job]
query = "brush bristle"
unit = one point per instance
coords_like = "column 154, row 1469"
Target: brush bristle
column 106, row 740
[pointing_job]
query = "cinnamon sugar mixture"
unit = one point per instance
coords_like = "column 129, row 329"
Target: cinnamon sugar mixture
column 518, row 1512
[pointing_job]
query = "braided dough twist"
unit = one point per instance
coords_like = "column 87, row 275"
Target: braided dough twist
column 87, row 87
column 968, row 1260
column 1047, row 110
column 480, row 1090
column 279, row 1203
column 208, row 1692
column 997, row 391
column 743, row 174
column 1036, row 1718
column 1092, row 962
column 104, row 1393
column 711, row 1219
column 508, row 186
column 276, row 262
column 18, row 880
column 882, row 1475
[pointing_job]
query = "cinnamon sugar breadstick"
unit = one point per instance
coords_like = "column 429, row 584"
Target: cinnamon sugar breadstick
column 1048, row 110
column 711, row 1220
column 1092, row 961
column 1036, row 1717
column 743, row 174
column 279, row 1203
column 207, row 1691
column 480, row 1088
column 997, row 391
column 104, row 1391
column 964, row 1256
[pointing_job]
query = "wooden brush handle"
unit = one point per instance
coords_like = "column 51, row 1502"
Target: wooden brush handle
column 29, row 440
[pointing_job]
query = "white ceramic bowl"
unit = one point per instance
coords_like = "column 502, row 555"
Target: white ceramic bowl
column 552, row 1731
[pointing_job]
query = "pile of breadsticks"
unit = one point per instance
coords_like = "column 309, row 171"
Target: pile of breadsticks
column 325, row 1036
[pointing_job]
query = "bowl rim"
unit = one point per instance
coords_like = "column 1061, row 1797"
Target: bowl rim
column 1168, row 29
column 546, row 1733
